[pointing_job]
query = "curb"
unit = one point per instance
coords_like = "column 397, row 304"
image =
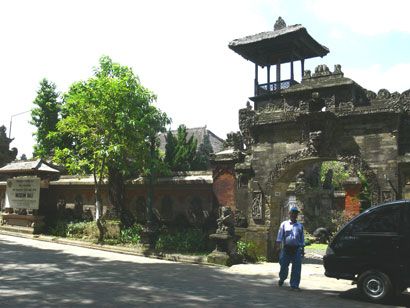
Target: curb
column 110, row 248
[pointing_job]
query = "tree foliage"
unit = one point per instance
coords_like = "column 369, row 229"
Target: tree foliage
column 202, row 159
column 109, row 118
column 340, row 174
column 45, row 118
column 180, row 151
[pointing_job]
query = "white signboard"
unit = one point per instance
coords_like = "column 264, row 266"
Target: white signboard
column 23, row 193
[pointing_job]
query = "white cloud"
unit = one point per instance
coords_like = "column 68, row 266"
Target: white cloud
column 367, row 17
column 376, row 77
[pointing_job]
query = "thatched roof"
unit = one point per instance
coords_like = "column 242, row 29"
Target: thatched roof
column 28, row 167
column 284, row 45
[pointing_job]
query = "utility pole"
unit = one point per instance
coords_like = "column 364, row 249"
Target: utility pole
column 11, row 120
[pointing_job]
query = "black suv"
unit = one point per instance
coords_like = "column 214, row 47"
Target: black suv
column 373, row 250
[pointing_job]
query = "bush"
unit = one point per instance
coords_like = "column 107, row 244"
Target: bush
column 247, row 250
column 82, row 229
column 60, row 228
column 131, row 235
column 309, row 238
column 182, row 241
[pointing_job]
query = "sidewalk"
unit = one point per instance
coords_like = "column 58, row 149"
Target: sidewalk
column 137, row 251
column 310, row 258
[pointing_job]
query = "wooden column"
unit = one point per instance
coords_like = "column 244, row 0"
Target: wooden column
column 302, row 63
column 291, row 71
column 268, row 77
column 256, row 85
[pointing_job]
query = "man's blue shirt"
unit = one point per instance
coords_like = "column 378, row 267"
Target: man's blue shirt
column 291, row 233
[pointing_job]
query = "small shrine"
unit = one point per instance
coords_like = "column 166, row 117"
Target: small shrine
column 26, row 186
column 284, row 45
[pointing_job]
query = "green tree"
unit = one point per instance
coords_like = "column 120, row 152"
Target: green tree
column 110, row 119
column 180, row 151
column 202, row 158
column 340, row 174
column 45, row 118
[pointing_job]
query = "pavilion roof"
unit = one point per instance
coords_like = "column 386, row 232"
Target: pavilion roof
column 38, row 166
column 291, row 43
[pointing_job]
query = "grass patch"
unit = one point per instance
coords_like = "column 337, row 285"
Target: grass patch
column 316, row 246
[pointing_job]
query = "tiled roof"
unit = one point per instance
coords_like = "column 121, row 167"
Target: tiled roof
column 199, row 134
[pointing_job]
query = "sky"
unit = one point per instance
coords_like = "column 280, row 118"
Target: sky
column 179, row 50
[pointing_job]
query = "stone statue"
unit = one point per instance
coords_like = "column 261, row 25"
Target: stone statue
column 226, row 221
column 327, row 183
column 279, row 24
column 338, row 69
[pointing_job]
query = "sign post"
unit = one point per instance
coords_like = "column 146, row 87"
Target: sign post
column 23, row 193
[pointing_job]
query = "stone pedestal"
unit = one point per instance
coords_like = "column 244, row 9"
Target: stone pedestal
column 22, row 223
column 149, row 236
column 225, row 251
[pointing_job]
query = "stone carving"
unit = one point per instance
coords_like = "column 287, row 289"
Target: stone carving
column 371, row 95
column 395, row 95
column 330, row 103
column 321, row 70
column 307, row 74
column 386, row 196
column 315, row 141
column 246, row 121
column 337, row 70
column 257, row 205
column 279, row 24
column 300, row 185
column 399, row 104
column 303, row 106
column 271, row 108
column 383, row 94
column 240, row 219
column 406, row 93
column 346, row 106
column 226, row 221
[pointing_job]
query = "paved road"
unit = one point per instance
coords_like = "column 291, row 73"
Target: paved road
column 35, row 273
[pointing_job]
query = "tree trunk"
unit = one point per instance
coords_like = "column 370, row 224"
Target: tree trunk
column 98, row 213
column 116, row 194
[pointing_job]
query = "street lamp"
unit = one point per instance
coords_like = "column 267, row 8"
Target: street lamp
column 11, row 119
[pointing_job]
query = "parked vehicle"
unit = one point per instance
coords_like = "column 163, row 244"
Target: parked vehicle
column 373, row 250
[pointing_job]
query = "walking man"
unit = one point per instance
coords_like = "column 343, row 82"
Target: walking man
column 291, row 240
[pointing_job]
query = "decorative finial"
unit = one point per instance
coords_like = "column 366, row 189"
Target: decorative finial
column 279, row 24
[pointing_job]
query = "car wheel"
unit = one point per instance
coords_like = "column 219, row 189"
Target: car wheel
column 375, row 285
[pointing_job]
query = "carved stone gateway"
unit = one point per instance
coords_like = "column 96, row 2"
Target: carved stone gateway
column 295, row 124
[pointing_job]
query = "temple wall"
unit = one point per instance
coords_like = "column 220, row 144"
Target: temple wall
column 172, row 199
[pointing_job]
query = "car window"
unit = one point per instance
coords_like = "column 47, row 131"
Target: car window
column 382, row 220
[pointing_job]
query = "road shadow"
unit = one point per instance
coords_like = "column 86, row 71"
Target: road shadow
column 34, row 277
column 402, row 300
